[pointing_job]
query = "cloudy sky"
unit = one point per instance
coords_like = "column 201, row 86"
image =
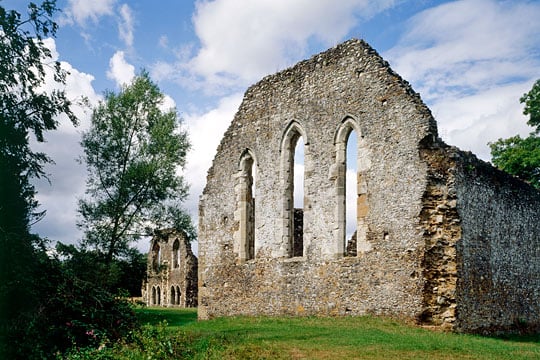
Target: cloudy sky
column 470, row 61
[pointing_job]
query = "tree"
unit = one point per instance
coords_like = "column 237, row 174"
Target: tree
column 521, row 156
column 532, row 105
column 132, row 151
column 25, row 110
column 125, row 278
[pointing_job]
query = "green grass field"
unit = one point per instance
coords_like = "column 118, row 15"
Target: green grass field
column 332, row 338
column 176, row 334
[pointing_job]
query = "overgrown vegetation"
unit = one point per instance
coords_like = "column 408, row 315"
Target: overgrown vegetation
column 122, row 276
column 176, row 334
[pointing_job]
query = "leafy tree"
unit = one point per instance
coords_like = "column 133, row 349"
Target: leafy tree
column 532, row 105
column 25, row 110
column 133, row 151
column 521, row 156
column 125, row 276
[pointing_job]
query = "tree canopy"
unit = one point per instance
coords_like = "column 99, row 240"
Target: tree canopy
column 532, row 105
column 26, row 110
column 133, row 151
column 521, row 156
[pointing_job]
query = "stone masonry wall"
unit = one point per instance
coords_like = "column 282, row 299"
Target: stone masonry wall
column 498, row 288
column 442, row 231
column 442, row 238
column 171, row 277
column 350, row 81
column 482, row 257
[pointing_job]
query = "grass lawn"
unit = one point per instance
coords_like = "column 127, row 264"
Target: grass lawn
column 324, row 338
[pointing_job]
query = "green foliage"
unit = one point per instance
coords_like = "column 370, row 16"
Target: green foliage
column 25, row 110
column 71, row 312
column 532, row 105
column 132, row 150
column 124, row 275
column 518, row 156
column 521, row 156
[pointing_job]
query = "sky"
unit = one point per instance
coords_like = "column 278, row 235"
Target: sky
column 470, row 60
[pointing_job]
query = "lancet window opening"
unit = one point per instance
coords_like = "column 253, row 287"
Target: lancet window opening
column 246, row 205
column 176, row 254
column 293, row 156
column 351, row 187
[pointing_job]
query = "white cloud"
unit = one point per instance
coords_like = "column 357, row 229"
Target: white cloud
column 120, row 70
column 205, row 133
column 471, row 61
column 125, row 25
column 163, row 41
column 80, row 11
column 167, row 104
column 263, row 36
column 471, row 44
column 67, row 176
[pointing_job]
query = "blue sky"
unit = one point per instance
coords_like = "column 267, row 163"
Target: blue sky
column 470, row 61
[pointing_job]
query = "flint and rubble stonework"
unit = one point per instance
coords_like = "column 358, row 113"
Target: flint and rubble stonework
column 171, row 276
column 442, row 238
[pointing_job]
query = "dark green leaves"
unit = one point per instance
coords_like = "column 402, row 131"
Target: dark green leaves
column 518, row 156
column 532, row 105
column 521, row 156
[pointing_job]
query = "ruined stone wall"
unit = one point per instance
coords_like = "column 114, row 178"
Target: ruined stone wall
column 498, row 288
column 347, row 83
column 171, row 277
column 482, row 257
column 441, row 237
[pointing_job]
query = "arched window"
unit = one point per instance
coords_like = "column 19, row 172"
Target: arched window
column 154, row 296
column 178, row 295
column 293, row 155
column 158, row 292
column 352, row 162
column 156, row 256
column 173, row 296
column 176, row 254
column 351, row 193
column 245, row 215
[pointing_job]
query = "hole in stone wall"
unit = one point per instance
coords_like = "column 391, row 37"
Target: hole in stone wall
column 156, row 256
column 351, row 193
column 173, row 296
column 298, row 191
column 176, row 254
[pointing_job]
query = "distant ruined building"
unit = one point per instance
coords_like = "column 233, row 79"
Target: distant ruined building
column 172, row 271
column 440, row 237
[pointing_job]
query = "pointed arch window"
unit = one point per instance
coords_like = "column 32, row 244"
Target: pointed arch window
column 351, row 187
column 176, row 254
column 294, row 150
column 156, row 256
column 154, row 295
column 245, row 207
column 173, row 296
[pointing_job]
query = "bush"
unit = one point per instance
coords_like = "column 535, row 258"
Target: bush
column 69, row 312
